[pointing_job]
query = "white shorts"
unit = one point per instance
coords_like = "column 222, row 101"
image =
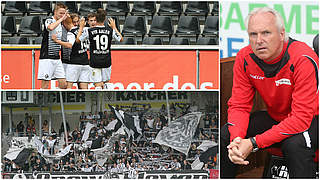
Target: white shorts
column 50, row 69
column 78, row 73
column 65, row 67
column 101, row 74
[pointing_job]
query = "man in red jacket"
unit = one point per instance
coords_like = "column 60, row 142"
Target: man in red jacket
column 285, row 73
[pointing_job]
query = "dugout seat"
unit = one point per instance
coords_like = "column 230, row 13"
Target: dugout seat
column 15, row 8
column 40, row 7
column 87, row 7
column 72, row 6
column 207, row 41
column 134, row 26
column 18, row 40
column 127, row 41
column 152, row 41
column 144, row 8
column 211, row 27
column 197, row 8
column 8, row 26
column 170, row 8
column 179, row 41
column 215, row 9
column 161, row 26
column 316, row 44
column 118, row 8
column 115, row 19
column 188, row 26
column 30, row 25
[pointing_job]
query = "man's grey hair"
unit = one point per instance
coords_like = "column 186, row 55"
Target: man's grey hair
column 279, row 19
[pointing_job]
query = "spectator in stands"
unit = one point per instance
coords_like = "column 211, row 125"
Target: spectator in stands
column 20, row 129
column 61, row 131
column 89, row 117
column 186, row 165
column 45, row 127
column 31, row 130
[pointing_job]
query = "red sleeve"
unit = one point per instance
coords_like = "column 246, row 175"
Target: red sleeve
column 240, row 103
column 303, row 107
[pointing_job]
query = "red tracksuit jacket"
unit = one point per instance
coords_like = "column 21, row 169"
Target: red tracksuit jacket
column 288, row 86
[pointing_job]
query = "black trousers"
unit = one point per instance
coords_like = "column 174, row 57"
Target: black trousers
column 298, row 156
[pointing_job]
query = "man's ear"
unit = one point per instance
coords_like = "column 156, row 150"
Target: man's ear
column 282, row 34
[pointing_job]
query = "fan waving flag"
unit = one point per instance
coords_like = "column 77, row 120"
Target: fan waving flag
column 179, row 133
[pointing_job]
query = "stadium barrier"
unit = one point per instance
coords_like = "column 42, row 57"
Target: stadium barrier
column 133, row 67
column 183, row 174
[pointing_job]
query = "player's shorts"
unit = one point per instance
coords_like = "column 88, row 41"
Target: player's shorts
column 50, row 69
column 78, row 73
column 65, row 67
column 101, row 74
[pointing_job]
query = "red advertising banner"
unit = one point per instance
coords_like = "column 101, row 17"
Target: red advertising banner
column 131, row 69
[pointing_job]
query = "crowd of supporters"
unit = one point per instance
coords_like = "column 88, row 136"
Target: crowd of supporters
column 127, row 154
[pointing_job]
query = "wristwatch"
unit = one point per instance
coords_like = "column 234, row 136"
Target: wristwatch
column 254, row 144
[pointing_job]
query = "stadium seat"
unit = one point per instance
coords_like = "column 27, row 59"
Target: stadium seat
column 127, row 41
column 170, row 8
column 37, row 40
column 161, row 26
column 144, row 8
column 134, row 26
column 199, row 8
column 15, row 8
column 188, row 26
column 211, row 27
column 152, row 41
column 118, row 8
column 18, row 40
column 72, row 6
column 8, row 26
column 87, row 7
column 215, row 9
column 30, row 25
column 207, row 41
column 115, row 19
column 40, row 7
column 179, row 41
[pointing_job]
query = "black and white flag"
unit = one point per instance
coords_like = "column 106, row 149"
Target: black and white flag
column 209, row 148
column 179, row 133
column 19, row 156
column 131, row 123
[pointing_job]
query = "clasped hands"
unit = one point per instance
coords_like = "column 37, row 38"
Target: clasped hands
column 239, row 149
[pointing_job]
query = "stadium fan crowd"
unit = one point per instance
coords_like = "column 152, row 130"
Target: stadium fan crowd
column 126, row 155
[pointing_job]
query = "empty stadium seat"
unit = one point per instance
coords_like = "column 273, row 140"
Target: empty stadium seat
column 188, row 26
column 72, row 6
column 15, row 7
column 37, row 40
column 127, row 41
column 118, row 8
column 170, row 8
column 215, row 9
column 115, row 19
column 152, row 41
column 134, row 26
column 197, row 8
column 18, row 40
column 179, row 41
column 87, row 7
column 8, row 26
column 161, row 26
column 207, row 41
column 211, row 27
column 40, row 7
column 144, row 8
column 30, row 25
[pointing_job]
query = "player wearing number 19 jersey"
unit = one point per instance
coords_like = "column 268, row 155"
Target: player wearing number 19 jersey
column 100, row 38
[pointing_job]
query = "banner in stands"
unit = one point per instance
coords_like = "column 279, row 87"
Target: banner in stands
column 188, row 174
column 301, row 21
column 19, row 97
column 158, row 69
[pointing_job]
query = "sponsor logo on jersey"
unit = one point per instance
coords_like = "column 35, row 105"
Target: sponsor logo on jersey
column 256, row 77
column 283, row 81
